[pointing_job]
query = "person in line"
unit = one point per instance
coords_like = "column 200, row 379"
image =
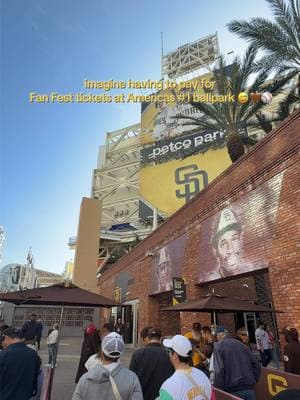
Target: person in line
column 206, row 335
column 272, row 346
column 152, row 365
column 3, row 326
column 263, row 346
column 19, row 367
column 236, row 368
column 106, row 329
column 242, row 336
column 119, row 327
column 144, row 335
column 39, row 333
column 187, row 382
column 111, row 380
column 52, row 342
column 195, row 337
column 94, row 359
column 207, row 349
column 29, row 330
column 89, row 347
column 291, row 355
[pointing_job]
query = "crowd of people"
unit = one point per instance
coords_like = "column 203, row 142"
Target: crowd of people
column 188, row 366
column 19, row 352
column 182, row 367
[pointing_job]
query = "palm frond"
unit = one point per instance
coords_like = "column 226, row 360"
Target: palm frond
column 295, row 9
column 212, row 111
column 285, row 106
column 286, row 19
column 272, row 62
column 262, row 121
column 265, row 35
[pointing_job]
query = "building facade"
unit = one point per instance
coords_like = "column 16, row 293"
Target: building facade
column 238, row 237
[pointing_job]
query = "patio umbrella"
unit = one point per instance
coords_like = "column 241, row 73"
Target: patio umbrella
column 213, row 303
column 60, row 294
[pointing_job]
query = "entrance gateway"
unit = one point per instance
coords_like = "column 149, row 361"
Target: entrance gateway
column 129, row 317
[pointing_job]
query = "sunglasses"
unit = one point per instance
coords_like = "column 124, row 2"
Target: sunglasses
column 244, row 334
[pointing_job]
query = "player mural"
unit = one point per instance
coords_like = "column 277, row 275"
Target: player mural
column 167, row 263
column 238, row 239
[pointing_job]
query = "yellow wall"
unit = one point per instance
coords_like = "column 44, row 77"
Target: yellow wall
column 157, row 182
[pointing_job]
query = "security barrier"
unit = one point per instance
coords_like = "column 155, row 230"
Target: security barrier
column 273, row 381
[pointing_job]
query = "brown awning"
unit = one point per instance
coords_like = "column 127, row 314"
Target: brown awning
column 60, row 294
column 215, row 302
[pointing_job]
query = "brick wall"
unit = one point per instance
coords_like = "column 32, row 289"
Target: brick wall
column 280, row 283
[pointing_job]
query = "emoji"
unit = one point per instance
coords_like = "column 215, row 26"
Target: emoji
column 243, row 97
column 255, row 97
column 266, row 97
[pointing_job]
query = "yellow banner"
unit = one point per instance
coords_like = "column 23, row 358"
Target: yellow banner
column 170, row 185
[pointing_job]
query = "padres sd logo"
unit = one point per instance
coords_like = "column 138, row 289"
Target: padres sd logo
column 188, row 176
column 276, row 384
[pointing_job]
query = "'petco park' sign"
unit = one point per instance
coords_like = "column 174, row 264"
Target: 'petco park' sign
column 181, row 147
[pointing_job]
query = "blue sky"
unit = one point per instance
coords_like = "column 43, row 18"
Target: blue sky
column 48, row 151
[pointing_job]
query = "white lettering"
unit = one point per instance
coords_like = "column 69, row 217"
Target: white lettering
column 164, row 149
column 178, row 146
column 186, row 143
column 198, row 141
column 208, row 137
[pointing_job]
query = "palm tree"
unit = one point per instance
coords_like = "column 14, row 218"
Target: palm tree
column 280, row 40
column 232, row 117
column 288, row 105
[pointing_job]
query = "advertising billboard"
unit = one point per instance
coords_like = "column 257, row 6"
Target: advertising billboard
column 238, row 239
column 159, row 119
column 170, row 185
column 167, row 263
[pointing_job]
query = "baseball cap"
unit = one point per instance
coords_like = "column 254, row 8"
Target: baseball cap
column 154, row 333
column 221, row 329
column 180, row 344
column 112, row 345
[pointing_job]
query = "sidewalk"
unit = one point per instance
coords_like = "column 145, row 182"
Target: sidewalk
column 68, row 360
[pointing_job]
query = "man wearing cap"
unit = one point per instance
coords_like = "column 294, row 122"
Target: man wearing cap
column 152, row 365
column 227, row 246
column 19, row 367
column 109, row 380
column 186, row 382
column 236, row 370
column 163, row 271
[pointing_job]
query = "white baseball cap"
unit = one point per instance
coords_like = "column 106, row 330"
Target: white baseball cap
column 180, row 344
column 112, row 345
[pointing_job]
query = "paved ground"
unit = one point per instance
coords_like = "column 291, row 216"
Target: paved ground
column 68, row 359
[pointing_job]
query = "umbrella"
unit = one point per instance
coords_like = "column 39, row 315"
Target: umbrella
column 62, row 294
column 59, row 294
column 213, row 302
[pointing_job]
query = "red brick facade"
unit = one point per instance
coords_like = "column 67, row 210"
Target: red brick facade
column 279, row 284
